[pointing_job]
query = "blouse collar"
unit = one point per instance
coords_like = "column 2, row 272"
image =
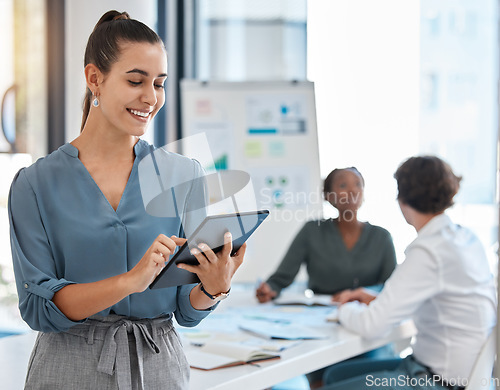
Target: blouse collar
column 436, row 224
column 140, row 149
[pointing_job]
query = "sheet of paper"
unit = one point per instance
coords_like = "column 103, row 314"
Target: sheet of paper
column 281, row 331
column 333, row 316
column 207, row 361
column 301, row 299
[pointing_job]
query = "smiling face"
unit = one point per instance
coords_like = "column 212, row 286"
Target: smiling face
column 346, row 191
column 132, row 92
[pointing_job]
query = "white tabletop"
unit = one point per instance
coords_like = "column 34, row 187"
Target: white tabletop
column 306, row 356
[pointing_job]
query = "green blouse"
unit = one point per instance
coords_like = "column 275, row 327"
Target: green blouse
column 330, row 265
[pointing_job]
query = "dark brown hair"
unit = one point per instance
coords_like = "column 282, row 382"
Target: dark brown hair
column 427, row 184
column 103, row 46
column 327, row 184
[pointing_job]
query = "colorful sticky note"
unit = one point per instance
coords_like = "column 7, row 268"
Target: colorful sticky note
column 253, row 149
column 276, row 148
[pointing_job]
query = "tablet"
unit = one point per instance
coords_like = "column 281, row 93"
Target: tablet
column 211, row 232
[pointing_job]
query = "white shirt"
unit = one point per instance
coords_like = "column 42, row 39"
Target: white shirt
column 446, row 287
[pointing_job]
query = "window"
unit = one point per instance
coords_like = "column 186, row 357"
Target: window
column 23, row 121
column 458, row 113
column 240, row 40
column 395, row 79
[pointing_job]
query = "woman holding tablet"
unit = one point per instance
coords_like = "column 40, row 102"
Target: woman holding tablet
column 444, row 285
column 85, row 250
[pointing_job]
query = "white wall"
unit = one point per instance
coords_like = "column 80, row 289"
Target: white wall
column 81, row 17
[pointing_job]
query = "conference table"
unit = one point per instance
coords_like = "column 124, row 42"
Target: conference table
column 299, row 357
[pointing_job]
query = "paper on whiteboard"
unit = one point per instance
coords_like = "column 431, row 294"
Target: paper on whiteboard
column 220, row 141
column 276, row 114
column 281, row 187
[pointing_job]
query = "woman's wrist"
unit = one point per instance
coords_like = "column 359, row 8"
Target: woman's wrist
column 214, row 290
column 126, row 282
column 199, row 300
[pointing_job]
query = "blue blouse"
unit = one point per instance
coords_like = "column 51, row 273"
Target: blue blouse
column 64, row 231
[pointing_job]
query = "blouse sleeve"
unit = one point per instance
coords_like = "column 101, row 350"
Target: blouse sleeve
column 290, row 265
column 412, row 283
column 186, row 315
column 389, row 260
column 34, row 266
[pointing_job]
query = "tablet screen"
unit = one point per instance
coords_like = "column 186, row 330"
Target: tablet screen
column 211, row 232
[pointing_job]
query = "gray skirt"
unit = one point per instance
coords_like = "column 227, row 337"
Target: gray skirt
column 113, row 352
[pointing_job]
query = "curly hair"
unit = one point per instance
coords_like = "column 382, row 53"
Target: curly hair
column 328, row 182
column 427, row 184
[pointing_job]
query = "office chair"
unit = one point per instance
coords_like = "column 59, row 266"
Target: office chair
column 480, row 377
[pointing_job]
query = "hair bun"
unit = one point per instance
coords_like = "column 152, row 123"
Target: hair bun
column 122, row 16
column 110, row 16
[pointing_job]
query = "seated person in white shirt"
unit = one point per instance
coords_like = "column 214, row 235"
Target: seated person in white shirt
column 444, row 285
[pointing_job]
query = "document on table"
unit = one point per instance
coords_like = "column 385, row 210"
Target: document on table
column 215, row 355
column 281, row 331
column 302, row 300
column 333, row 316
column 199, row 338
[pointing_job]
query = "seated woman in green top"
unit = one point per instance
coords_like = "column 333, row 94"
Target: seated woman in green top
column 341, row 254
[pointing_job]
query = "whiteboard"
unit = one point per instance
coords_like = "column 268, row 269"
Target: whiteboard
column 267, row 129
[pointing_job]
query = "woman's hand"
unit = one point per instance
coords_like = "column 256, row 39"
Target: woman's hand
column 153, row 261
column 265, row 293
column 216, row 269
column 359, row 294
